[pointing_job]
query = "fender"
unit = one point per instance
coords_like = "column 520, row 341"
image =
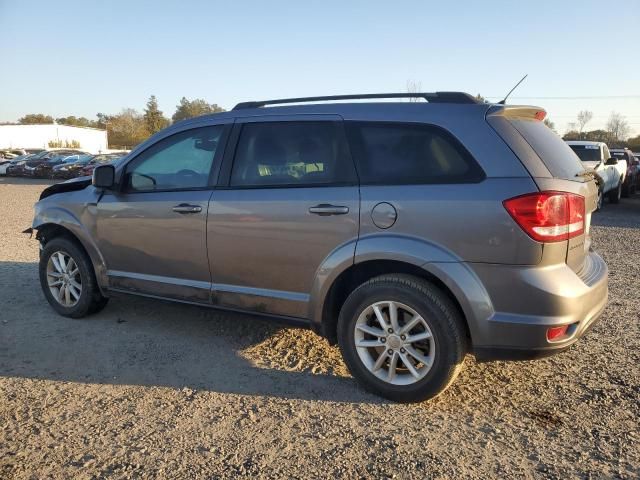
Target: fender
column 434, row 259
column 53, row 215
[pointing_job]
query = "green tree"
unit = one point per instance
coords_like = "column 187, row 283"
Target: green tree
column 194, row 108
column 35, row 118
column 634, row 143
column 153, row 117
column 77, row 122
column 126, row 129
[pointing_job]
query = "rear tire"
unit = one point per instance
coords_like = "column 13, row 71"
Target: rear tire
column 380, row 363
column 68, row 280
column 616, row 194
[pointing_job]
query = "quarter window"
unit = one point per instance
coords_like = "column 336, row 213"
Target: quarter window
column 401, row 153
column 292, row 154
column 182, row 161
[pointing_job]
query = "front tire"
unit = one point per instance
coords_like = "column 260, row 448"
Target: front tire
column 615, row 195
column 402, row 338
column 67, row 279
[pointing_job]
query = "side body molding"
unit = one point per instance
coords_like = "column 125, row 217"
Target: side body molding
column 434, row 259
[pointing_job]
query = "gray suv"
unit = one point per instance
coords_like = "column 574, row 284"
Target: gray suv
column 409, row 233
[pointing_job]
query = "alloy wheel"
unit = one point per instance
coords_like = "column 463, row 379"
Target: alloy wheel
column 394, row 342
column 63, row 278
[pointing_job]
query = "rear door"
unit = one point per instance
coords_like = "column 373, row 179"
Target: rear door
column 288, row 199
column 553, row 166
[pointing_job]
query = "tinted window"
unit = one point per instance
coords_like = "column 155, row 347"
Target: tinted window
column 587, row 153
column 291, row 153
column 181, row 161
column 397, row 153
column 552, row 150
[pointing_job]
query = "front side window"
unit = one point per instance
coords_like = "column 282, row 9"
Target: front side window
column 404, row 153
column 291, row 154
column 181, row 161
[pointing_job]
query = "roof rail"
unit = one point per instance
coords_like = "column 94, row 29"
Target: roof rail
column 437, row 97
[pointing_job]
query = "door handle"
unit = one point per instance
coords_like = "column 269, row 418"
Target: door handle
column 325, row 209
column 186, row 208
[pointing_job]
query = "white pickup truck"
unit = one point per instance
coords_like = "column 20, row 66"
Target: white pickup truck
column 595, row 156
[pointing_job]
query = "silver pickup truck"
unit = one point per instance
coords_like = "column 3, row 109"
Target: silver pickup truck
column 612, row 171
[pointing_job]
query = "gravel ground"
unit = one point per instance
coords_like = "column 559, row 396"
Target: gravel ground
column 147, row 389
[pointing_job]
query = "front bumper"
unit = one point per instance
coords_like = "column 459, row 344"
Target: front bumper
column 530, row 300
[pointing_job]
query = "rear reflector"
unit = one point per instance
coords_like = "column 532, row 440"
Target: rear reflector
column 548, row 216
column 556, row 333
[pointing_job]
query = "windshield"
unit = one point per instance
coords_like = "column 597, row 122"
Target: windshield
column 587, row 153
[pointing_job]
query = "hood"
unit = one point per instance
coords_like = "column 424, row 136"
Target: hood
column 74, row 184
column 590, row 165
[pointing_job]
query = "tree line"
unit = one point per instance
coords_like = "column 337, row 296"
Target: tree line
column 130, row 127
column 615, row 134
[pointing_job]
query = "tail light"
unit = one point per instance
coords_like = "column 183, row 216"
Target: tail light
column 548, row 216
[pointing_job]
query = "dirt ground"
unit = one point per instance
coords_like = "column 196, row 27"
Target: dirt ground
column 147, row 389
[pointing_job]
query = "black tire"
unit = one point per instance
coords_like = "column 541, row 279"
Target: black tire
column 90, row 300
column 616, row 194
column 600, row 203
column 444, row 321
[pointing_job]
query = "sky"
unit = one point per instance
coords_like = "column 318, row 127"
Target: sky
column 79, row 58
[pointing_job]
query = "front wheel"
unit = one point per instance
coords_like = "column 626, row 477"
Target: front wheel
column 616, row 194
column 402, row 338
column 68, row 280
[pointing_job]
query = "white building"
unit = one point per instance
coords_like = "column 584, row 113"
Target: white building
column 92, row 140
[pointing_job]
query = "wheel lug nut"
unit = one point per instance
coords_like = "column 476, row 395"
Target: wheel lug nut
column 390, row 352
column 382, row 339
column 402, row 350
column 403, row 337
column 390, row 330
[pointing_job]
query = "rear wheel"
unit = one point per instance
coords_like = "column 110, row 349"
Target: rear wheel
column 616, row 193
column 402, row 338
column 600, row 199
column 68, row 280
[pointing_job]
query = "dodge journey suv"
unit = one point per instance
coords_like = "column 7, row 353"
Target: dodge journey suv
column 410, row 234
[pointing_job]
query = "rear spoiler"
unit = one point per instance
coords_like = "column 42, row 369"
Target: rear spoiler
column 520, row 111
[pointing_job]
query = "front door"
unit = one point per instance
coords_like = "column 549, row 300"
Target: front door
column 152, row 232
column 290, row 200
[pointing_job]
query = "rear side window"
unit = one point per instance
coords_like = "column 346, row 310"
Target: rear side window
column 292, row 154
column 409, row 153
column 557, row 156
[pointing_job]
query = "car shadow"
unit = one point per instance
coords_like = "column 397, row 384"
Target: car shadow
column 139, row 341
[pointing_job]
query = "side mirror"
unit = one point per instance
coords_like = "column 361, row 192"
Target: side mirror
column 104, row 176
column 612, row 161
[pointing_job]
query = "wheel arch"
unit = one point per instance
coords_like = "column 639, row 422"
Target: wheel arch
column 453, row 279
column 66, row 225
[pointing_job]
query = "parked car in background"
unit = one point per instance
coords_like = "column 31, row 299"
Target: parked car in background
column 71, row 166
column 596, row 157
column 6, row 165
column 41, row 164
column 409, row 234
column 112, row 158
column 631, row 182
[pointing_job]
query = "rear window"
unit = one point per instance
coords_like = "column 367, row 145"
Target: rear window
column 587, row 153
column 552, row 150
column 409, row 153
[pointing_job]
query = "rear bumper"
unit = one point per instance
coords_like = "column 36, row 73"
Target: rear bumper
column 530, row 300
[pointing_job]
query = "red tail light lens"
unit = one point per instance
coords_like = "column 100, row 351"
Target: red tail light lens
column 548, row 216
column 556, row 333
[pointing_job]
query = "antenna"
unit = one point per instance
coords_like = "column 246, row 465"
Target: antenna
column 504, row 100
